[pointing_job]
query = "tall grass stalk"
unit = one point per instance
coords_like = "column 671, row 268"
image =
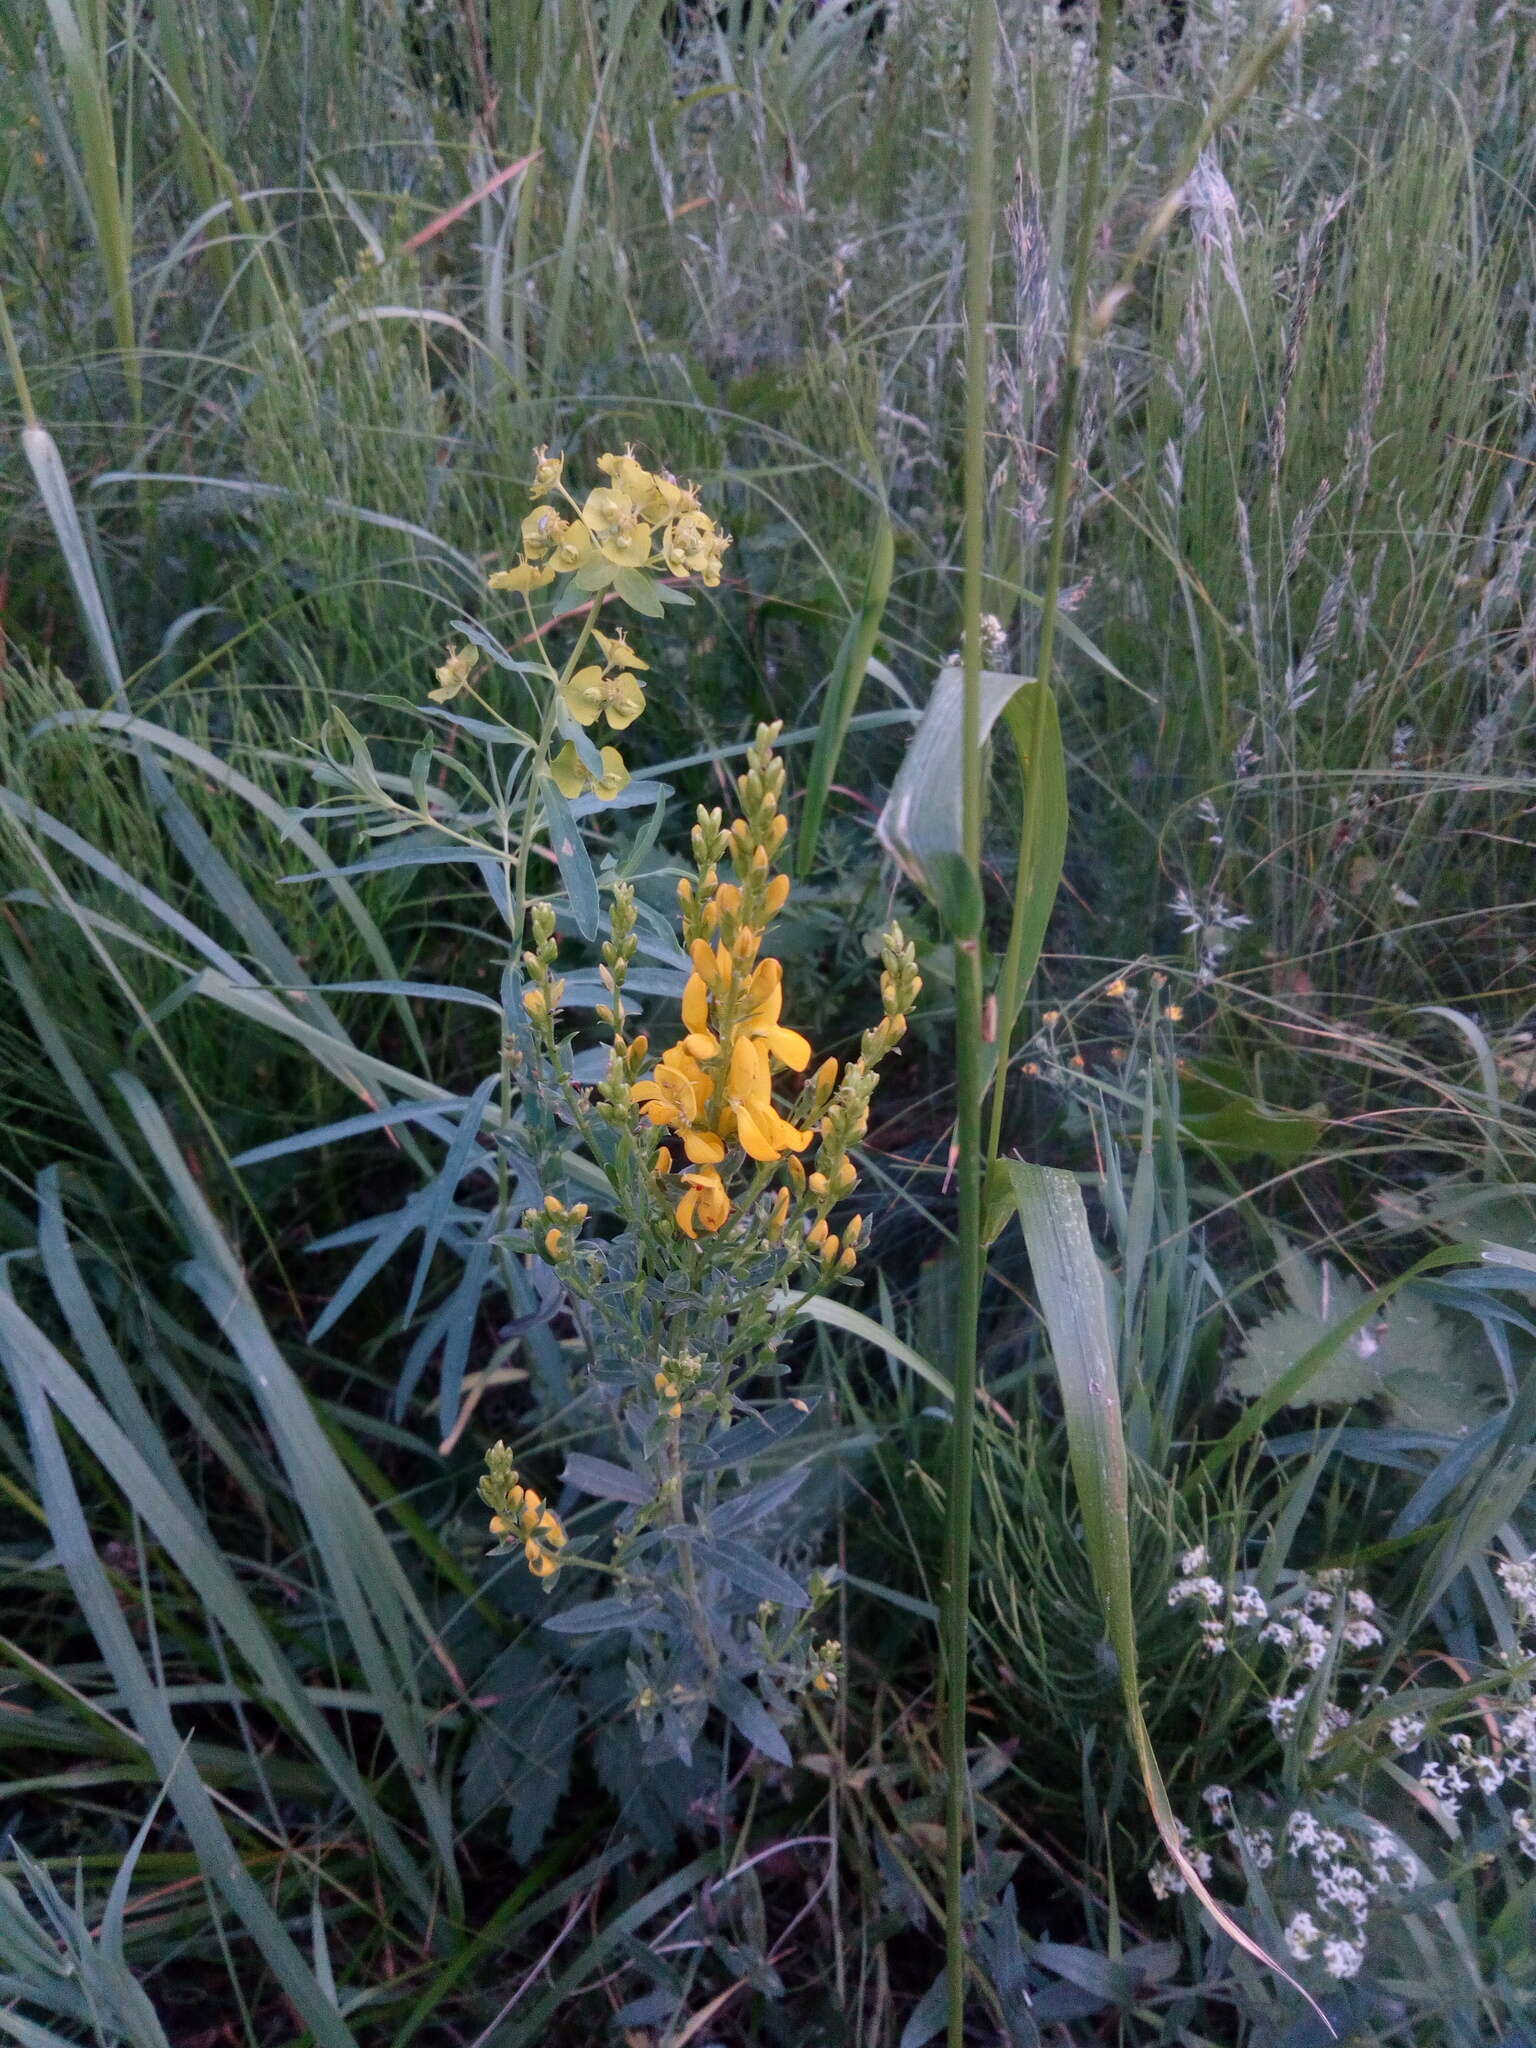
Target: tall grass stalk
column 1009, row 992
column 968, row 1011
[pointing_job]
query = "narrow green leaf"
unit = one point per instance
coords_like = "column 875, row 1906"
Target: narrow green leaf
column 843, row 687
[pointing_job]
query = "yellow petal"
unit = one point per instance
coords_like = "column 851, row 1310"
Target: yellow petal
column 576, row 547
column 617, row 651
column 569, row 774
column 624, row 701
column 614, row 776
column 696, row 1003
column 789, row 1047
column 703, row 1147
column 629, row 546
column 583, row 696
column 523, row 576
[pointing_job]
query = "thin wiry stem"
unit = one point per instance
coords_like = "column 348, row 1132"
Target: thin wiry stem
column 968, row 1015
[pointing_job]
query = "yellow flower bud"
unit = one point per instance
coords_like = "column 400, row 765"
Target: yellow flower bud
column 546, row 473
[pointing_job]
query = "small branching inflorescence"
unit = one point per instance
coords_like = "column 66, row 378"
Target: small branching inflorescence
column 709, row 1173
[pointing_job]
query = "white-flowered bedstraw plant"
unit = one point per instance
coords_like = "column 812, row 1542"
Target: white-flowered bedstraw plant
column 1378, row 1797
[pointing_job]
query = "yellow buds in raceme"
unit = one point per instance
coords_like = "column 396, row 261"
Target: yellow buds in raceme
column 520, row 1516
column 540, row 1003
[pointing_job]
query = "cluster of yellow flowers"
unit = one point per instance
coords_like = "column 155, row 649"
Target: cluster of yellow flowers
column 519, row 1515
column 617, row 526
column 714, row 1087
column 712, row 1092
column 641, row 522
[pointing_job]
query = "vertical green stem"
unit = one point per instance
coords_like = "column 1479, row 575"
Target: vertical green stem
column 968, row 1019
column 1009, row 994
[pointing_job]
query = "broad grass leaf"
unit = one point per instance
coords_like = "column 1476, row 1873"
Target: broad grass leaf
column 1070, row 1288
column 921, row 827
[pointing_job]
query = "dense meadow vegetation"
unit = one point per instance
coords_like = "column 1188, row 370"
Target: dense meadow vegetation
column 376, row 1104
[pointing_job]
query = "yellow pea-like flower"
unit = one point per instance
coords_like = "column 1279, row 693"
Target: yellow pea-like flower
column 706, row 1205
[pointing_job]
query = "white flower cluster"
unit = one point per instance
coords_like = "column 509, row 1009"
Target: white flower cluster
column 1347, row 1870
column 1519, row 1580
column 1291, row 1628
column 1167, row 1880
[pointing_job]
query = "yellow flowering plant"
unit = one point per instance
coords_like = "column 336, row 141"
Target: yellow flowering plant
column 725, row 1157
column 675, row 1208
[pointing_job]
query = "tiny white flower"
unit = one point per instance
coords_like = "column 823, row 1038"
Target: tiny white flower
column 1196, row 1560
column 1206, row 1591
column 1301, row 1936
column 1524, row 1824
column 1219, row 1799
column 1487, row 1772
column 1361, row 1635
column 1301, row 1831
column 1247, row 1607
column 1405, row 1731
column 1260, row 1844
column 1343, row 1958
column 1166, row 1881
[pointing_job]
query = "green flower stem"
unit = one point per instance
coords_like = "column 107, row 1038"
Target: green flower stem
column 955, row 1628
column 1009, row 994
column 547, row 731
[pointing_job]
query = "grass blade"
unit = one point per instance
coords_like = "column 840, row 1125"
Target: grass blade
column 150, row 1713
column 843, row 687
